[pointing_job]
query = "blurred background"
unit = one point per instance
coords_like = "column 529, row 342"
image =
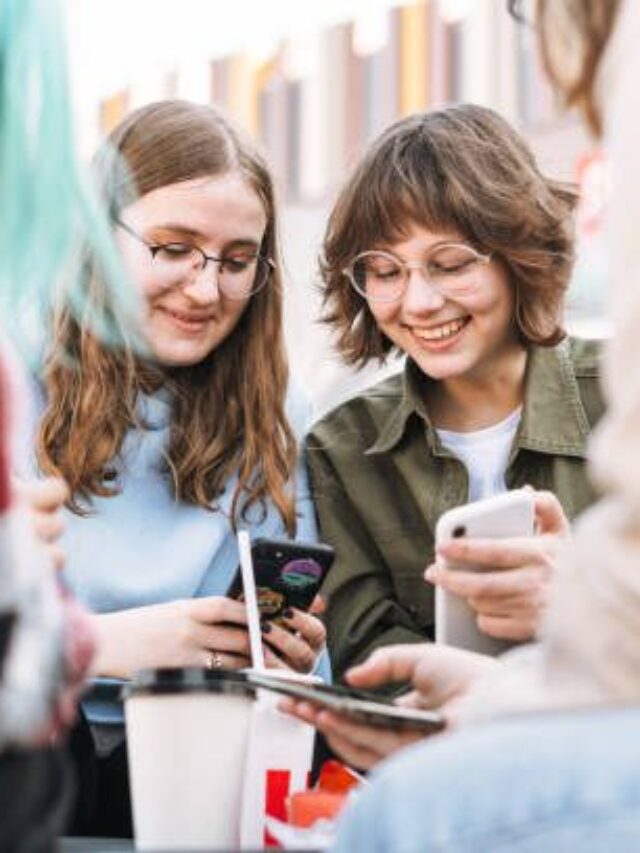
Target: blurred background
column 313, row 82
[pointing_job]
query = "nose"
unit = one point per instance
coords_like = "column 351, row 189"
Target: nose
column 421, row 294
column 203, row 287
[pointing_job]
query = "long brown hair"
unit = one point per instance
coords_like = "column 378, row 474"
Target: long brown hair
column 572, row 36
column 462, row 169
column 228, row 412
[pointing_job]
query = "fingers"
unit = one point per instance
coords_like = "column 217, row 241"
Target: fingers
column 309, row 627
column 44, row 499
column 512, row 553
column 217, row 608
column 56, row 556
column 515, row 628
column 354, row 756
column 318, row 606
column 304, row 711
column 292, row 649
column 359, row 744
column 531, row 601
column 272, row 661
column 298, row 641
column 48, row 526
column 354, row 753
column 509, row 604
column 550, row 517
column 215, row 659
column 485, row 586
column 46, row 495
column 222, row 638
column 442, row 672
column 393, row 664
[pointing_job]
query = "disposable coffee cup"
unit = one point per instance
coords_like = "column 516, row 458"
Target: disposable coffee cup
column 187, row 734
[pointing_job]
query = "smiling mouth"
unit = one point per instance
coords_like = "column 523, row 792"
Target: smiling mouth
column 442, row 332
column 188, row 319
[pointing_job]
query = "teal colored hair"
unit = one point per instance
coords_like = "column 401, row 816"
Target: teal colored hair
column 46, row 209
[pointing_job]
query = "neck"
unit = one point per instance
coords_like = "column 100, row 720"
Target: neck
column 472, row 402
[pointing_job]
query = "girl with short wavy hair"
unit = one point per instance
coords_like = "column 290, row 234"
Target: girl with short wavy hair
column 449, row 246
column 465, row 170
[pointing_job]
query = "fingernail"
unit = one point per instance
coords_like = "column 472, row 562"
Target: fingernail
column 265, row 627
column 288, row 613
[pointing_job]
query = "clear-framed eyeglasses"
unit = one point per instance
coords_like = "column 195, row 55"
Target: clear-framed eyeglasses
column 452, row 269
column 241, row 273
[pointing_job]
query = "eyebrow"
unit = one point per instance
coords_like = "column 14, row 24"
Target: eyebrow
column 236, row 243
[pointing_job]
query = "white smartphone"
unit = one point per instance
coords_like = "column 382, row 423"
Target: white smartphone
column 503, row 516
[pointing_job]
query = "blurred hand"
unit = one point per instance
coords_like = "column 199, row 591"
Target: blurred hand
column 439, row 675
column 45, row 500
column 510, row 594
column 80, row 646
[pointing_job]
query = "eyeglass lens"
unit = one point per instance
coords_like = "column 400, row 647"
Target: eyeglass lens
column 381, row 277
column 238, row 275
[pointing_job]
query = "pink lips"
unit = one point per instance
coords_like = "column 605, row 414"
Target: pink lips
column 188, row 321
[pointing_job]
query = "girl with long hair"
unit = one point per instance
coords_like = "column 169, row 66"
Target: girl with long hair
column 168, row 446
column 183, row 434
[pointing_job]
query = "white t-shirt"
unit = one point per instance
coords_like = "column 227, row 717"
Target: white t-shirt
column 485, row 453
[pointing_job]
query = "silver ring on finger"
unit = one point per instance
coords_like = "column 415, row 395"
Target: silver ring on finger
column 214, row 661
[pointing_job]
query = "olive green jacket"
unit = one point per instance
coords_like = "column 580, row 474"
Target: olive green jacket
column 381, row 479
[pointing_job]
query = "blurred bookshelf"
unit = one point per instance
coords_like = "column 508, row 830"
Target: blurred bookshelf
column 319, row 96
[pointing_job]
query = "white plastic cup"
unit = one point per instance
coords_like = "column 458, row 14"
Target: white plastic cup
column 187, row 732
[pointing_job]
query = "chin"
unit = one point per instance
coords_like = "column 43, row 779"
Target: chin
column 171, row 358
column 443, row 366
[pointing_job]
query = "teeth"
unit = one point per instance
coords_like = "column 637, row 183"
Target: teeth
column 438, row 333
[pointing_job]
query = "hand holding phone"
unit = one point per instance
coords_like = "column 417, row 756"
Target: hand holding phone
column 503, row 517
column 360, row 706
column 288, row 574
column 279, row 580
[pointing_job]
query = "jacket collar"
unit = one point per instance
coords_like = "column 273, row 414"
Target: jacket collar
column 553, row 417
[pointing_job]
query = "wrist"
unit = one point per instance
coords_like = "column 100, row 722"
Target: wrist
column 107, row 661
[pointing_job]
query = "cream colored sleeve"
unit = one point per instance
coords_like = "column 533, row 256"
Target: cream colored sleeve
column 594, row 619
column 616, row 446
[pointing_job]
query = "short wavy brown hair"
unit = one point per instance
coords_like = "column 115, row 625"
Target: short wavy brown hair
column 462, row 169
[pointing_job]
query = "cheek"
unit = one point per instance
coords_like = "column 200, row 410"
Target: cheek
column 384, row 313
column 496, row 302
column 234, row 312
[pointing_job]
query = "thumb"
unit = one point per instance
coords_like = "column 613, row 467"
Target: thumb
column 318, row 606
column 393, row 664
column 549, row 515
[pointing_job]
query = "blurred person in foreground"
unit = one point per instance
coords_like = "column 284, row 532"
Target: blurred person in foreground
column 566, row 780
column 46, row 643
